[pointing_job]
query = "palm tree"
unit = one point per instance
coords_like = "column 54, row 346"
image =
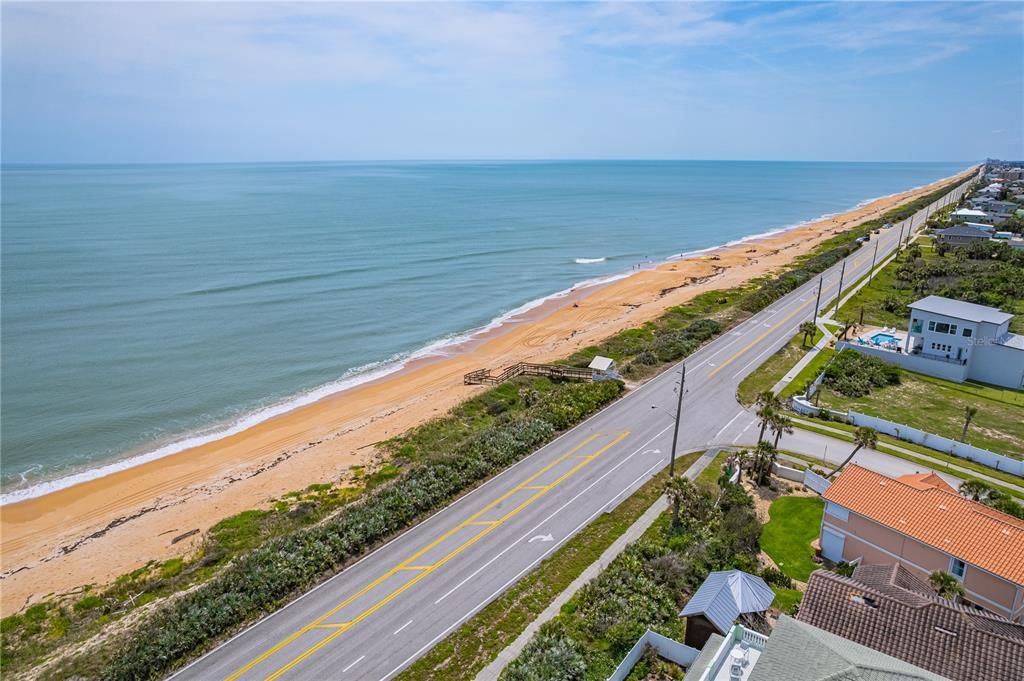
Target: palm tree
column 969, row 414
column 946, row 585
column 780, row 424
column 683, row 492
column 808, row 329
column 763, row 457
column 978, row 491
column 768, row 404
column 864, row 437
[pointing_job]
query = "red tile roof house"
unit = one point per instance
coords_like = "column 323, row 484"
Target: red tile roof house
column 887, row 608
column 922, row 522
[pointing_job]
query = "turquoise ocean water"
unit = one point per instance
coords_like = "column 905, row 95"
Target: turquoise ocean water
column 145, row 308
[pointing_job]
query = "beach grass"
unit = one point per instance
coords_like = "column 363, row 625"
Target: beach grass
column 250, row 531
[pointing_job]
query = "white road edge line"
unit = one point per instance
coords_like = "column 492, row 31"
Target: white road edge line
column 478, row 491
column 497, row 593
column 553, row 514
column 742, row 433
column 726, row 426
column 630, row 485
column 361, row 658
column 399, row 629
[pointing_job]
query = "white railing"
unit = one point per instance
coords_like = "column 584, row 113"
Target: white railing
column 753, row 639
column 737, row 634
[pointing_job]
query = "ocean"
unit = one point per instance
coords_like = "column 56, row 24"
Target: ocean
column 147, row 308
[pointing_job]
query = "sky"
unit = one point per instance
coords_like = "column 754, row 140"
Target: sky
column 259, row 81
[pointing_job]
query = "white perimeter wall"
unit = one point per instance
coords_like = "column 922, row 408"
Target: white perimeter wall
column 998, row 365
column 922, row 365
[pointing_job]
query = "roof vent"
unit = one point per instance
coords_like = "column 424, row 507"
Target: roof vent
column 864, row 600
column 942, row 507
column 947, row 632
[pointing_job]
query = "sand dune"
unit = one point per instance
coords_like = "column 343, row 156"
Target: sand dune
column 94, row 531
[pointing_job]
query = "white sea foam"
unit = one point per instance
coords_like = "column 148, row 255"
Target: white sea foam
column 370, row 372
column 352, row 378
column 780, row 230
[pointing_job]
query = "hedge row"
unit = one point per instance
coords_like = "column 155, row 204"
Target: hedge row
column 265, row 578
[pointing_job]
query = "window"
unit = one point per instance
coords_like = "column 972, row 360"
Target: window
column 952, row 329
column 931, row 326
column 836, row 511
column 916, row 326
column 957, row 568
column 942, row 327
column 968, row 333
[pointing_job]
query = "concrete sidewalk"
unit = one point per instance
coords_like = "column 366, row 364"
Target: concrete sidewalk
column 492, row 671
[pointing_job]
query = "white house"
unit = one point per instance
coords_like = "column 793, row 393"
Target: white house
column 969, row 215
column 957, row 341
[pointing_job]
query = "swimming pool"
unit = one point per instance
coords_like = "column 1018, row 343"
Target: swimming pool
column 882, row 338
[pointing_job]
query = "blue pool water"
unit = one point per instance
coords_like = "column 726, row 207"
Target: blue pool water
column 882, row 338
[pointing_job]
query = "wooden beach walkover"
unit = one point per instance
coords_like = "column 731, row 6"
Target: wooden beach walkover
column 555, row 371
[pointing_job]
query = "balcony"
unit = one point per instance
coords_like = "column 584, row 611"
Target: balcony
column 736, row 656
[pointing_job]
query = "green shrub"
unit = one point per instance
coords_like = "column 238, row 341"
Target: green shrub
column 172, row 568
column 775, row 577
column 88, row 603
column 855, row 374
column 549, row 655
column 275, row 570
column 643, row 588
column 845, row 569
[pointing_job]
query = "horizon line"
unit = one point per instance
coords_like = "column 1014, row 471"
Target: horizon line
column 12, row 164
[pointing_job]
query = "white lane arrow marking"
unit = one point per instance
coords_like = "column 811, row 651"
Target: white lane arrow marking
column 542, row 538
column 650, row 451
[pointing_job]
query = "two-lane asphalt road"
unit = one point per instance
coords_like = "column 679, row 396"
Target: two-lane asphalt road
column 379, row 615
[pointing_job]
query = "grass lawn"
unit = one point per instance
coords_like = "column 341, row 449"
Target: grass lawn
column 808, row 373
column 937, row 406
column 774, row 368
column 713, row 472
column 472, row 646
column 786, row 599
column 794, row 524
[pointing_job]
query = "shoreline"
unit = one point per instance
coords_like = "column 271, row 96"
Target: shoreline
column 438, row 348
column 64, row 538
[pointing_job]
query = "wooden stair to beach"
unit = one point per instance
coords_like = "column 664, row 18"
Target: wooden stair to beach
column 554, row 371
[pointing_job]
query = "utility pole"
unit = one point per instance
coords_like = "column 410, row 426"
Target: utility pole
column 817, row 301
column 911, row 230
column 899, row 242
column 874, row 255
column 840, row 295
column 675, row 431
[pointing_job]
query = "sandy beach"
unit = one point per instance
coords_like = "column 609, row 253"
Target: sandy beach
column 94, row 531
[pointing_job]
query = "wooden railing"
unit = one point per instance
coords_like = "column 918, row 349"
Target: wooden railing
column 555, row 371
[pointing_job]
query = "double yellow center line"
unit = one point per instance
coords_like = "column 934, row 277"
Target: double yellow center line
column 782, row 321
column 413, row 564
